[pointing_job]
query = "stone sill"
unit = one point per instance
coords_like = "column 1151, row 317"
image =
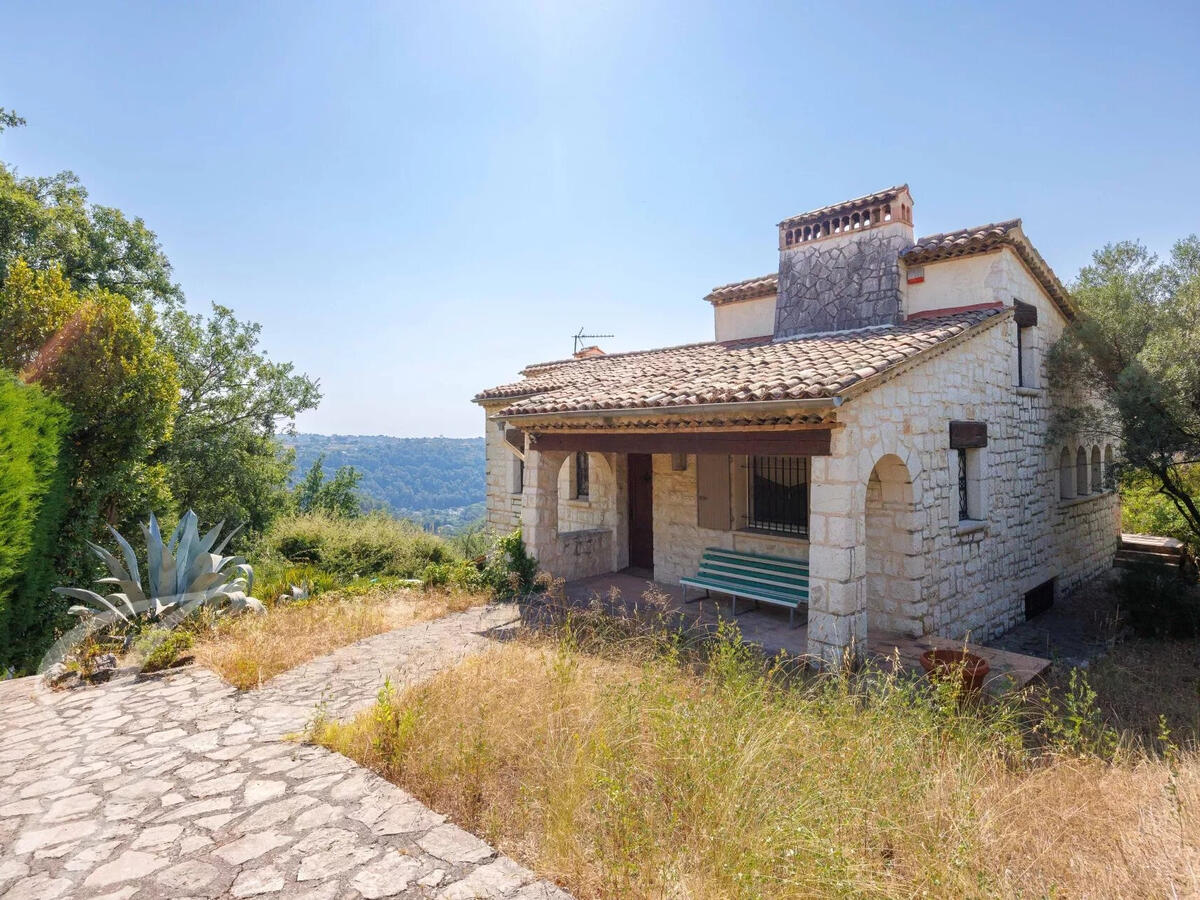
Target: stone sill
column 1086, row 498
column 584, row 532
column 579, row 503
column 970, row 526
column 1023, row 391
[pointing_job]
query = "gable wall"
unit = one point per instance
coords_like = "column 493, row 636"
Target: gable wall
column 745, row 318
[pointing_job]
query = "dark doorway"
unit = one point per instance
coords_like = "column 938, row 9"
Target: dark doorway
column 641, row 511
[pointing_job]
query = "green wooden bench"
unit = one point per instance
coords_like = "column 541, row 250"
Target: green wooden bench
column 751, row 576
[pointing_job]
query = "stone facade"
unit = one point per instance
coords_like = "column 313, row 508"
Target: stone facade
column 503, row 503
column 841, row 283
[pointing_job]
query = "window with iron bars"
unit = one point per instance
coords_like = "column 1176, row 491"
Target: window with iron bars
column 778, row 494
column 581, row 476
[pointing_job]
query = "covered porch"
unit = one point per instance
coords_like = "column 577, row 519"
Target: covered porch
column 767, row 627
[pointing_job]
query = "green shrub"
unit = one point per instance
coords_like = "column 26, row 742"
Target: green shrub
column 32, row 501
column 511, row 572
column 462, row 574
column 371, row 545
column 1146, row 510
column 1158, row 602
column 162, row 648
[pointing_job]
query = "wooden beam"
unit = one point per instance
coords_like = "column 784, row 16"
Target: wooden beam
column 809, row 442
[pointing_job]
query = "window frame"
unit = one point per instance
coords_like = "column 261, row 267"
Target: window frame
column 801, row 466
column 582, row 476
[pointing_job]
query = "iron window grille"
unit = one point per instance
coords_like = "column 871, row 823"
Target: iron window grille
column 1020, row 357
column 581, row 476
column 964, row 504
column 778, row 494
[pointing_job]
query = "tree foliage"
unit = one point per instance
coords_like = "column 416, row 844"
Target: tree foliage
column 32, row 486
column 1134, row 347
column 337, row 496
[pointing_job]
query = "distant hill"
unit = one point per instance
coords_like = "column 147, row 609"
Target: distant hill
column 437, row 481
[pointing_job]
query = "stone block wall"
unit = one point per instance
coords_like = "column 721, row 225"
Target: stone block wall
column 503, row 505
column 975, row 574
column 679, row 542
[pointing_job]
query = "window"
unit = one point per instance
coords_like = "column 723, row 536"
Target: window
column 1066, row 476
column 1081, row 473
column 964, row 488
column 1025, row 315
column 679, row 462
column 581, row 476
column 1097, row 471
column 518, row 474
column 778, row 494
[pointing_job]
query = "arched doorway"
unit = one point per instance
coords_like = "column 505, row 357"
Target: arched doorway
column 895, row 555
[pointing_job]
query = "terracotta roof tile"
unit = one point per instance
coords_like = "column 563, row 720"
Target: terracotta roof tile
column 750, row 289
column 755, row 369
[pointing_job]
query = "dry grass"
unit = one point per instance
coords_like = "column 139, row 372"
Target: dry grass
column 250, row 650
column 627, row 773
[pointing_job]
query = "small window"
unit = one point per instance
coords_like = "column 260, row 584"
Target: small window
column 518, row 474
column 1097, row 471
column 581, row 476
column 778, row 494
column 1066, row 475
column 1026, row 318
column 1081, row 473
column 964, row 486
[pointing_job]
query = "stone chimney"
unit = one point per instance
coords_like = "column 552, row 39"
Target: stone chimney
column 839, row 267
column 588, row 352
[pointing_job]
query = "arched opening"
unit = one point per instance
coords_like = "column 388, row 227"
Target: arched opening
column 1097, row 471
column 1081, row 473
column 586, row 487
column 895, row 557
column 1066, row 475
column 1110, row 476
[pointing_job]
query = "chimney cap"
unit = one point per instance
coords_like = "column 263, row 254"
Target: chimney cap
column 588, row 352
column 887, row 195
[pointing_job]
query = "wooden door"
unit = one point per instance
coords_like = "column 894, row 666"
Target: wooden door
column 641, row 511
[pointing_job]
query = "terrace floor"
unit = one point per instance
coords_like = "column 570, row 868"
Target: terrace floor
column 767, row 626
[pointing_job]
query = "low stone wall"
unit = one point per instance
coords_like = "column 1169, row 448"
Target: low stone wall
column 582, row 554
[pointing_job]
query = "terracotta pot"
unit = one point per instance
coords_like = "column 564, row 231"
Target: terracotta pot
column 941, row 663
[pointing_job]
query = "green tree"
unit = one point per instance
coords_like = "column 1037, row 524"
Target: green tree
column 336, row 497
column 98, row 356
column 32, row 504
column 222, row 459
column 1135, row 348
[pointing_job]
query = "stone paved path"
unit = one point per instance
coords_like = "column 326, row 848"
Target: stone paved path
column 179, row 786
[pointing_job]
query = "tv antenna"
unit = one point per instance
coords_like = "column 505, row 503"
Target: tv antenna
column 581, row 337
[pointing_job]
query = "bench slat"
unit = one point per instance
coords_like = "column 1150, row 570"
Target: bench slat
column 764, row 557
column 752, row 571
column 784, row 584
column 749, row 591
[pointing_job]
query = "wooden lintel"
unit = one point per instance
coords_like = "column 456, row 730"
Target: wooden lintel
column 790, row 442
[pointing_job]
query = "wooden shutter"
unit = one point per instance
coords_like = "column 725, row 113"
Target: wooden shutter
column 1025, row 314
column 712, row 491
column 967, row 435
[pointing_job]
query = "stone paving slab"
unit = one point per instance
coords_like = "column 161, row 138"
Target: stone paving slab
column 180, row 786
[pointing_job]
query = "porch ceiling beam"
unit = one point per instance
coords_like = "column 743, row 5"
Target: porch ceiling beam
column 807, row 442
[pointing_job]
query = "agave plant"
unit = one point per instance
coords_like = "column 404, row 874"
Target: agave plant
column 184, row 573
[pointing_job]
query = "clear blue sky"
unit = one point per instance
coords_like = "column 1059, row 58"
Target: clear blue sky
column 415, row 200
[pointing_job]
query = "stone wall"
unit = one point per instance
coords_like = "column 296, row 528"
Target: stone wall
column 503, row 505
column 841, row 282
column 975, row 573
column 679, row 542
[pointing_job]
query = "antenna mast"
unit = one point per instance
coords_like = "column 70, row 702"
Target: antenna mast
column 581, row 337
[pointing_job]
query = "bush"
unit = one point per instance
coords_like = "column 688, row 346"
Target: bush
column 1158, row 602
column 1147, row 510
column 162, row 648
column 32, row 501
column 372, row 545
column 462, row 574
column 511, row 572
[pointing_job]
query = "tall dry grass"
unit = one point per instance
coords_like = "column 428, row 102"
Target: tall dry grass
column 646, row 772
column 249, row 650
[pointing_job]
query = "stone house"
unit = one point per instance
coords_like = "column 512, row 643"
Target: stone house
column 879, row 407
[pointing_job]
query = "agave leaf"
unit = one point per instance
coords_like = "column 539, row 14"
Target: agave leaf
column 186, row 550
column 131, row 588
column 221, row 546
column 85, row 594
column 188, row 519
column 131, row 563
column 154, row 555
column 113, row 564
column 80, row 611
column 247, row 572
column 123, row 598
column 203, row 564
column 206, row 542
column 204, row 581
